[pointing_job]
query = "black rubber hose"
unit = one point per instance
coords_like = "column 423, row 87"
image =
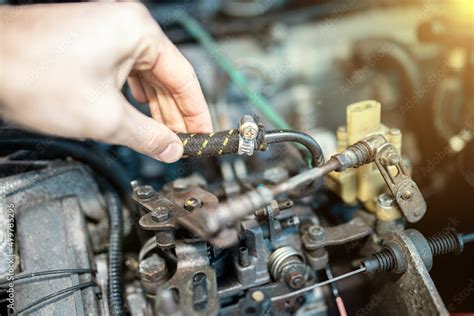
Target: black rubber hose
column 115, row 286
column 227, row 142
column 100, row 162
column 280, row 136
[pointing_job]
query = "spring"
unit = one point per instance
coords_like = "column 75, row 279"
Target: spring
column 385, row 259
column 278, row 260
column 443, row 243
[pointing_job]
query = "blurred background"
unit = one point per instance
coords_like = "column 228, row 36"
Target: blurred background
column 310, row 59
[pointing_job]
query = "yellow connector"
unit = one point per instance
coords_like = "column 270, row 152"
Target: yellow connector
column 365, row 183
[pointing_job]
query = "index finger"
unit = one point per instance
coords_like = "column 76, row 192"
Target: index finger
column 177, row 75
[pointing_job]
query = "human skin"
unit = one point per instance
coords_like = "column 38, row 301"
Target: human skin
column 63, row 67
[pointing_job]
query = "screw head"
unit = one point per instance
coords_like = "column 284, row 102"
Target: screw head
column 407, row 194
column 145, row 191
column 160, row 214
column 192, row 204
column 153, row 267
column 316, row 233
column 295, row 279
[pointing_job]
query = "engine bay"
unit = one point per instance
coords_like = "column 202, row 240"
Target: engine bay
column 338, row 180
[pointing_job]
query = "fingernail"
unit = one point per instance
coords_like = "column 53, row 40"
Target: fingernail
column 171, row 153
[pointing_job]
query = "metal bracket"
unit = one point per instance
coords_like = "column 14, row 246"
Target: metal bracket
column 194, row 281
column 403, row 188
column 337, row 235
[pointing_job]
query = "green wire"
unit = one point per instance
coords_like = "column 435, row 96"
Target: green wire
column 203, row 37
column 237, row 77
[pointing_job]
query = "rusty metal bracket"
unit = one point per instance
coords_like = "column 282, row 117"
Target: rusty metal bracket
column 403, row 188
column 194, row 282
column 165, row 208
column 410, row 293
column 337, row 235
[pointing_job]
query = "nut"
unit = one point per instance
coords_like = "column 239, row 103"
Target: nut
column 160, row 214
column 295, row 279
column 385, row 200
column 153, row 268
column 144, row 191
column 316, row 233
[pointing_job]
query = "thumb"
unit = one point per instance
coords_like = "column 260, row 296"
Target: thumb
column 145, row 135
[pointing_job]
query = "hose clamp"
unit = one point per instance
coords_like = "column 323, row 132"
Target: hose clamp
column 248, row 132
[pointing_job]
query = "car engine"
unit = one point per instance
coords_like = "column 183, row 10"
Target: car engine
column 339, row 176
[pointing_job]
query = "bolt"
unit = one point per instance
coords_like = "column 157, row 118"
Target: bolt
column 153, row 268
column 145, row 192
column 180, row 185
column 261, row 212
column 295, row 279
column 385, row 200
column 316, row 233
column 160, row 214
column 407, row 194
column 244, row 257
column 258, row 296
column 192, row 204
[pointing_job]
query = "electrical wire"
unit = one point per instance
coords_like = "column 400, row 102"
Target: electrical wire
column 335, row 291
column 34, row 275
column 71, row 289
column 100, row 162
column 314, row 286
column 112, row 171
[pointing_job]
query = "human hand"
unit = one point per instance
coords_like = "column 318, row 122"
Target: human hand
column 64, row 66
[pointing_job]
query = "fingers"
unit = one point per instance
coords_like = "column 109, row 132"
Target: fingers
column 137, row 89
column 145, row 135
column 181, row 90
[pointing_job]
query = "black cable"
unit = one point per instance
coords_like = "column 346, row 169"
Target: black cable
column 34, row 275
column 100, row 162
column 115, row 286
column 71, row 289
column 280, row 136
column 468, row 237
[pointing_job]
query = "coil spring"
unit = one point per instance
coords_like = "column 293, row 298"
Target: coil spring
column 444, row 243
column 386, row 260
column 278, row 260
